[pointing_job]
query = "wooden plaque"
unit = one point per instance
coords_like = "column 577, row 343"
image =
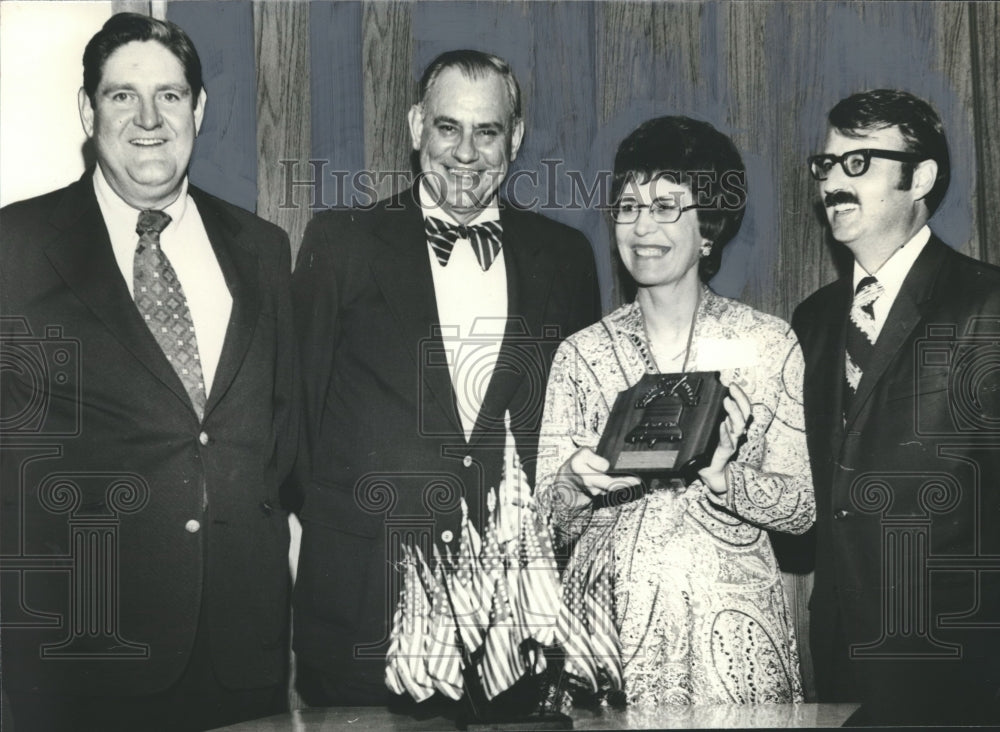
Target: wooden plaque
column 665, row 426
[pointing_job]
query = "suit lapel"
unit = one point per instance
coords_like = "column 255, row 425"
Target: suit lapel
column 529, row 281
column 903, row 318
column 83, row 257
column 239, row 268
column 827, row 385
column 403, row 273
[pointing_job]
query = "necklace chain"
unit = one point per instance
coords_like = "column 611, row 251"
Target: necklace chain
column 690, row 338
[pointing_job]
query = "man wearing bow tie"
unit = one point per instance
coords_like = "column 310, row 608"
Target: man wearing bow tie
column 148, row 413
column 421, row 322
column 902, row 407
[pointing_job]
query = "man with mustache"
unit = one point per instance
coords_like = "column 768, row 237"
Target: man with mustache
column 422, row 322
column 148, row 407
column 902, row 405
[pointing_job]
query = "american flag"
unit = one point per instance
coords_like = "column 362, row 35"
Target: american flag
column 463, row 587
column 502, row 663
column 392, row 660
column 604, row 640
column 491, row 559
column 538, row 588
column 444, row 657
column 572, row 629
column 412, row 665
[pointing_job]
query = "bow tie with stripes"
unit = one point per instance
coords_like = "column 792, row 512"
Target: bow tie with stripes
column 484, row 237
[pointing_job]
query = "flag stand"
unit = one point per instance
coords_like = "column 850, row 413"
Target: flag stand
column 522, row 707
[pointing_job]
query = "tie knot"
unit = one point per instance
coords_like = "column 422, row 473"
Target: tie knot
column 866, row 283
column 151, row 221
column 485, row 238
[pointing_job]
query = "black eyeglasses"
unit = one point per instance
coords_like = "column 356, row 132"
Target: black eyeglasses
column 856, row 162
column 662, row 210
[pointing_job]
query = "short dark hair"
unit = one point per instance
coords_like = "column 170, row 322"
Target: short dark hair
column 692, row 153
column 917, row 121
column 124, row 28
column 475, row 65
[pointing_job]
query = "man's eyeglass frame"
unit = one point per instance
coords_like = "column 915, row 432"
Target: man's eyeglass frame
column 821, row 165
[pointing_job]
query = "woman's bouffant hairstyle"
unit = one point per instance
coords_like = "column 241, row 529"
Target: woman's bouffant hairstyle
column 695, row 154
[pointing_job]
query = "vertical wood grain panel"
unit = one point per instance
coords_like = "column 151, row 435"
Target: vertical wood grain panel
column 337, row 102
column 224, row 161
column 985, row 64
column 800, row 75
column 562, row 124
column 623, row 57
column 752, row 115
column 950, row 46
column 283, row 111
column 389, row 88
column 679, row 80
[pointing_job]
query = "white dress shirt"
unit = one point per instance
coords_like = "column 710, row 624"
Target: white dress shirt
column 186, row 245
column 892, row 273
column 472, row 311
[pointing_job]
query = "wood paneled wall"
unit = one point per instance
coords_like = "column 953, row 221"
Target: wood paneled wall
column 333, row 83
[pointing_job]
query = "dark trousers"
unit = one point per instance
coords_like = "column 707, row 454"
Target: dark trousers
column 197, row 701
column 907, row 692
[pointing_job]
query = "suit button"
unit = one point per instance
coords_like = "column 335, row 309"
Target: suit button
column 447, row 536
column 841, row 514
column 266, row 507
column 203, row 438
column 467, row 461
column 192, row 526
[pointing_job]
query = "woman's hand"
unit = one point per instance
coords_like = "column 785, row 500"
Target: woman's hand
column 583, row 476
column 731, row 430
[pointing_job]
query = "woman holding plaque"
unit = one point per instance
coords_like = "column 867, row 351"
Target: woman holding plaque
column 696, row 595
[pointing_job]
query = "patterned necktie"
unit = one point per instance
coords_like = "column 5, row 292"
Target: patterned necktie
column 161, row 302
column 484, row 237
column 861, row 334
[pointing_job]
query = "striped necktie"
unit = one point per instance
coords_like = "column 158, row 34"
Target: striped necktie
column 484, row 237
column 161, row 302
column 861, row 334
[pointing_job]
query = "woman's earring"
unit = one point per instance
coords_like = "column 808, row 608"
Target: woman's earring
column 706, row 248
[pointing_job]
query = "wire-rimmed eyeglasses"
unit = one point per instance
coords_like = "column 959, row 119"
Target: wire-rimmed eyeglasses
column 662, row 210
column 856, row 162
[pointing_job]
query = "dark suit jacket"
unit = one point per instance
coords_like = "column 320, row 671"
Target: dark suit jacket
column 909, row 475
column 101, row 441
column 389, row 460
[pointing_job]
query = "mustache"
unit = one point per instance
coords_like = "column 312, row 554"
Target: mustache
column 835, row 198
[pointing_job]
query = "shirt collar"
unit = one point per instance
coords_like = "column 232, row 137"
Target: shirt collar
column 429, row 207
column 892, row 273
column 116, row 206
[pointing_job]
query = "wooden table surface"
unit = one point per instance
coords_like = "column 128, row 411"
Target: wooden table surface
column 729, row 716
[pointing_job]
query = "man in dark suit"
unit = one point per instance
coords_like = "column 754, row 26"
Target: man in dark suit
column 149, row 418
column 903, row 418
column 422, row 321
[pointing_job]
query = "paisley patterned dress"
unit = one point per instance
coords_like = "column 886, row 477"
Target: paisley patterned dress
column 698, row 597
